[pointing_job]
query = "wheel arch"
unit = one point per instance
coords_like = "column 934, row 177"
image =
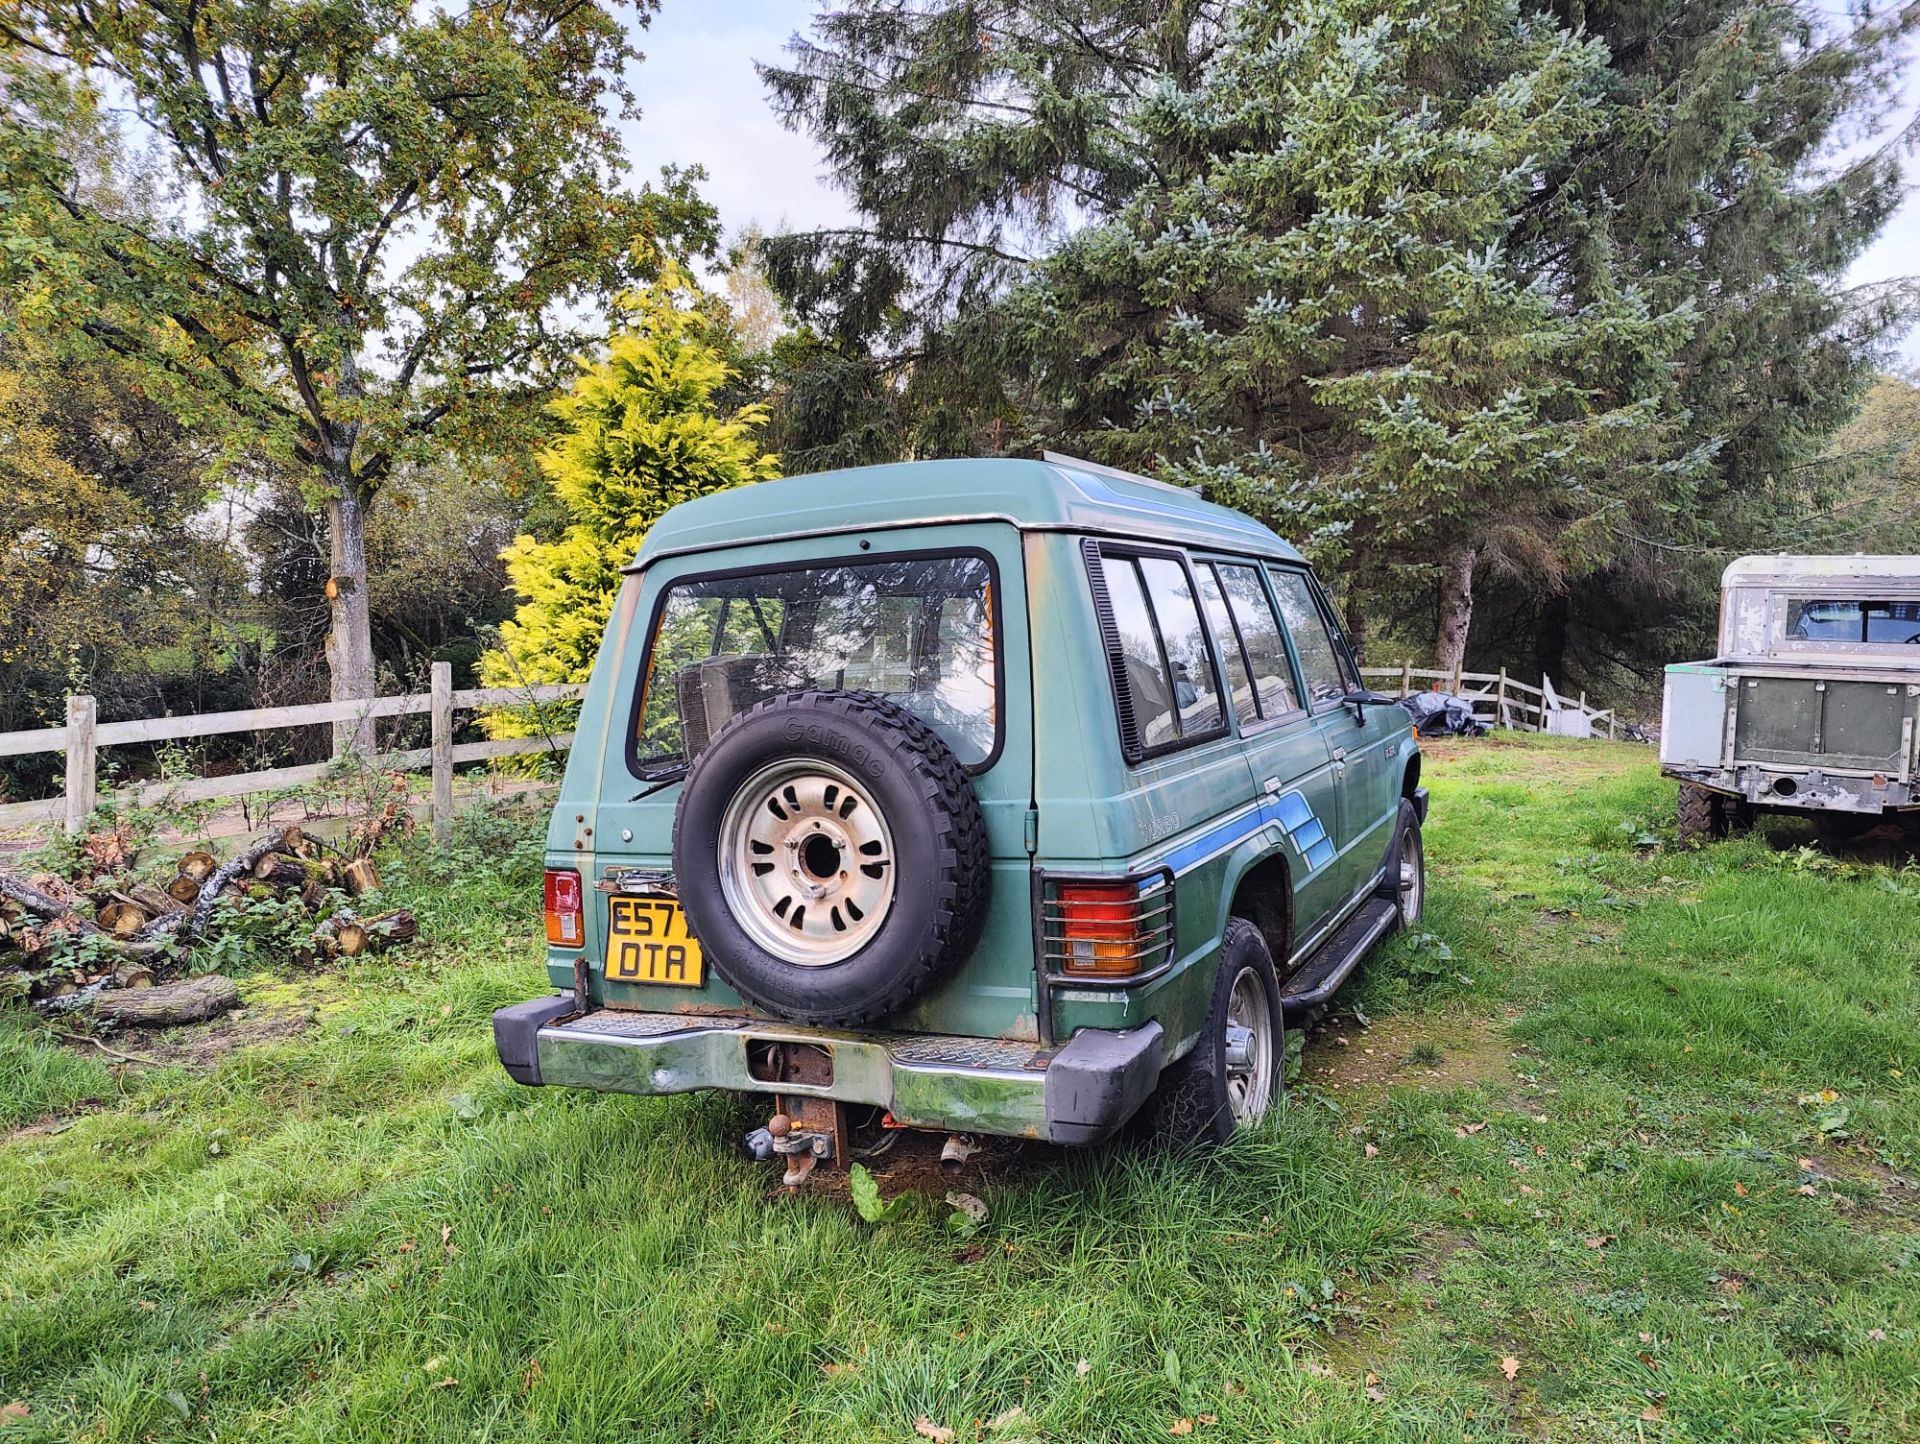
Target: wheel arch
column 1262, row 894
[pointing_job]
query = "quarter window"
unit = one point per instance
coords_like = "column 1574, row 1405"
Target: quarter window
column 1246, row 705
column 1260, row 635
column 1320, row 663
column 1164, row 665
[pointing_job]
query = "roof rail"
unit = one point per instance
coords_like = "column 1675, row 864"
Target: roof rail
column 1060, row 458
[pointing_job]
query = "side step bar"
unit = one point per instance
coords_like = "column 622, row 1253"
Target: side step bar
column 1333, row 962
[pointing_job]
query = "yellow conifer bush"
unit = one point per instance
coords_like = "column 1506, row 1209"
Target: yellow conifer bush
column 640, row 433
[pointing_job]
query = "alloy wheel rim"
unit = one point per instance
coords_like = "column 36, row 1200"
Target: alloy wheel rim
column 806, row 862
column 1249, row 1051
column 1412, row 876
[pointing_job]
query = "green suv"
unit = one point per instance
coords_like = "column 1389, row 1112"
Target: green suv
column 1000, row 796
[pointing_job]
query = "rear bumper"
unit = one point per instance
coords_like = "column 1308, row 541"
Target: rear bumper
column 1079, row 1093
column 1812, row 789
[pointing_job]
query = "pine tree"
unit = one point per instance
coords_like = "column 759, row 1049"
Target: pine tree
column 639, row 434
column 1396, row 276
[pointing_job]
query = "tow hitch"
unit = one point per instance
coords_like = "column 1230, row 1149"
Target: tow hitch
column 806, row 1132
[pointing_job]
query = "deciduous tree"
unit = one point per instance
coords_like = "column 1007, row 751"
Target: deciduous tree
column 393, row 225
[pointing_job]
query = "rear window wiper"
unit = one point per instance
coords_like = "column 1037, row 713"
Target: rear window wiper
column 661, row 776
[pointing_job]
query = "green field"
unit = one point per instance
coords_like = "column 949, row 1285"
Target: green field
column 1624, row 1148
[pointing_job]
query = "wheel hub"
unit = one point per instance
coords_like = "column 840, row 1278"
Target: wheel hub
column 806, row 862
column 1248, row 1054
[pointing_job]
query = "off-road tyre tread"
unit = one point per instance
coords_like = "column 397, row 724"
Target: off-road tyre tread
column 1189, row 1108
column 961, row 834
column 1701, row 815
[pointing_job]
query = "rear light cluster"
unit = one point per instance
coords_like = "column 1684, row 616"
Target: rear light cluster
column 1106, row 928
column 566, row 919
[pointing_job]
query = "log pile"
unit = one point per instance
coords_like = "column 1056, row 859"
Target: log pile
column 67, row 942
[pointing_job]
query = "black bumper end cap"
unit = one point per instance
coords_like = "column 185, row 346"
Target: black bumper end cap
column 1099, row 1080
column 1420, row 804
column 516, row 1032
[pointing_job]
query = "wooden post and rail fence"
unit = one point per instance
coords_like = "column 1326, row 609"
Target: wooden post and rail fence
column 84, row 735
column 1498, row 700
column 1501, row 700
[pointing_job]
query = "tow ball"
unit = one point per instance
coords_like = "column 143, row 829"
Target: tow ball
column 805, row 1133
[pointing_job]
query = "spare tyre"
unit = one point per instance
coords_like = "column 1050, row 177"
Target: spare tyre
column 830, row 855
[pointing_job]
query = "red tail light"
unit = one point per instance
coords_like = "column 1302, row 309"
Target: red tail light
column 566, row 922
column 1100, row 929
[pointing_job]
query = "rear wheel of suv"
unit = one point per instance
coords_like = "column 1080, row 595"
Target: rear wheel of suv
column 831, row 856
column 1707, row 816
column 1237, row 1069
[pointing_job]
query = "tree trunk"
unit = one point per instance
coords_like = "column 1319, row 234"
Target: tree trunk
column 350, row 643
column 1454, row 614
column 1550, row 636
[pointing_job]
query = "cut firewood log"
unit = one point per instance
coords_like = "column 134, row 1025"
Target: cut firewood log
column 191, row 1000
column 197, row 865
column 133, row 975
column 360, row 876
column 121, row 915
column 156, row 902
column 184, row 890
column 313, row 895
column 375, row 934
column 241, row 864
column 281, row 870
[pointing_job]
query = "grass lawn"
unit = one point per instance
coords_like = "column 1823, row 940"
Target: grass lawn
column 1621, row 1149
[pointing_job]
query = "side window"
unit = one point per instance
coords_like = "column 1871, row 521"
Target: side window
column 1163, row 662
column 1260, row 635
column 1196, row 694
column 1146, row 677
column 1246, row 704
column 1320, row 660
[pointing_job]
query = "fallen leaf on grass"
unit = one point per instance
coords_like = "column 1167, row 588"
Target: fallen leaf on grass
column 1600, row 1240
column 1510, row 1366
column 1373, row 1150
column 1878, row 1336
column 927, row 1429
column 1082, row 1369
column 13, row 1411
column 1739, row 1189
column 1006, row 1418
column 1180, row 1426
column 1806, row 1164
column 1808, row 1189
column 1464, row 1129
column 834, row 1371
column 1652, row 1413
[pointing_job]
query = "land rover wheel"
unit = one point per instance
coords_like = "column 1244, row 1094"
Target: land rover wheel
column 831, row 856
column 1705, row 815
column 1236, row 1070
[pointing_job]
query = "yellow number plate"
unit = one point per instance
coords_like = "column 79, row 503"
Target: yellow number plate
column 647, row 942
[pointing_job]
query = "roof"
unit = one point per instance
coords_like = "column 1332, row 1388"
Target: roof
column 1823, row 572
column 1044, row 495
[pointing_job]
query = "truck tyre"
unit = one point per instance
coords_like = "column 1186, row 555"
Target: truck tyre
column 1237, row 1068
column 831, row 856
column 1405, row 881
column 1707, row 816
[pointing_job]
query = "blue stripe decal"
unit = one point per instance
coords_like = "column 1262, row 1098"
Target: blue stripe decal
column 1290, row 812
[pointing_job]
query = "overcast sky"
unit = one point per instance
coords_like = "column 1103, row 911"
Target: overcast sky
column 704, row 103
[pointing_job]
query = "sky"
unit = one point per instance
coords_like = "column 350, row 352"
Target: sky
column 702, row 103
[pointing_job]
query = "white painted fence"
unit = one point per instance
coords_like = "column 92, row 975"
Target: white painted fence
column 84, row 735
column 1499, row 700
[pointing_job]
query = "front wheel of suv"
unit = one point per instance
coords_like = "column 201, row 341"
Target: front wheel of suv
column 1237, row 1069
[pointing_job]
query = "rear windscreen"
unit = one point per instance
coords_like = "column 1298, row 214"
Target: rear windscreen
column 916, row 630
